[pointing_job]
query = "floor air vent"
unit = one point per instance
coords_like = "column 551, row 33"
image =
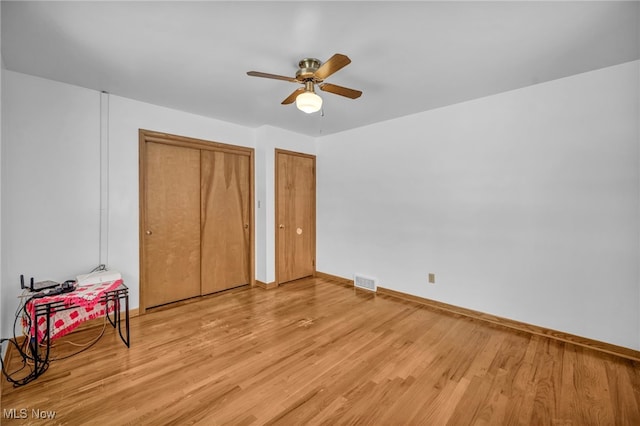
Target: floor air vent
column 367, row 283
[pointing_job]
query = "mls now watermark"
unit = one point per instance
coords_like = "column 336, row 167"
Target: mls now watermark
column 25, row 413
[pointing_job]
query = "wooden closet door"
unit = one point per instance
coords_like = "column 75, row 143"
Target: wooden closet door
column 172, row 234
column 225, row 215
column 295, row 215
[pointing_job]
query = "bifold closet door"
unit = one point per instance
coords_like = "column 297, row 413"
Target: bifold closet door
column 225, row 216
column 172, row 234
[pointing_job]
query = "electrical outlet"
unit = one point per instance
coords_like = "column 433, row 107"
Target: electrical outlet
column 432, row 278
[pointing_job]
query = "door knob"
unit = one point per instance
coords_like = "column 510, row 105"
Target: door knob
column 246, row 226
column 148, row 232
column 281, row 226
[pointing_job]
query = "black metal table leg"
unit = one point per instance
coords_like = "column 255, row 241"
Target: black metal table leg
column 126, row 313
column 33, row 340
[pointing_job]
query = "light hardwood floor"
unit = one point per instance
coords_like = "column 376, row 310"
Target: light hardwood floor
column 316, row 352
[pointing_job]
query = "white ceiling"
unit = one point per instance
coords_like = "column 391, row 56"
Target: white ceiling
column 407, row 57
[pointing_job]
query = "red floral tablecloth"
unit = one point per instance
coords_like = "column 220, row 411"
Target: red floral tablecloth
column 81, row 305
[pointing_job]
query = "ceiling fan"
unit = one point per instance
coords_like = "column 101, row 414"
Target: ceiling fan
column 311, row 72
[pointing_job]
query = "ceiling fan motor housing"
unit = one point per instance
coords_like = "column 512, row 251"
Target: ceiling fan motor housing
column 308, row 66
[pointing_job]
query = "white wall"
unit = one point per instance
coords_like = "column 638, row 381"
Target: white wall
column 524, row 204
column 50, row 183
column 267, row 140
column 2, row 347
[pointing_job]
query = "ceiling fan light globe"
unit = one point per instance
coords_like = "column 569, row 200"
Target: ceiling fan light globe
column 308, row 102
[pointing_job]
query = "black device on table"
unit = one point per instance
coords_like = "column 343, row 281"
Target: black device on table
column 47, row 288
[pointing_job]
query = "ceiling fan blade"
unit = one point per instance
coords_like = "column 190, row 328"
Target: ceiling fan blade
column 339, row 90
column 292, row 97
column 274, row 76
column 335, row 63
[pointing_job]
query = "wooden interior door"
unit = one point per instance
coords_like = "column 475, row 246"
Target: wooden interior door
column 171, row 255
column 225, row 220
column 295, row 215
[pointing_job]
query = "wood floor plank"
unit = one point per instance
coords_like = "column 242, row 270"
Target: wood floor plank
column 621, row 392
column 317, row 352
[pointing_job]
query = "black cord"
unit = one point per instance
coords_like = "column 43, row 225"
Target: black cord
column 28, row 345
column 99, row 268
column 26, row 379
